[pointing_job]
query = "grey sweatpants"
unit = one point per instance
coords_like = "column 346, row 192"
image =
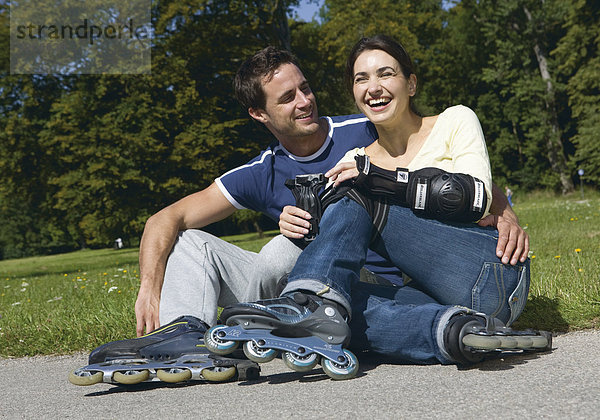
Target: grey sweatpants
column 204, row 272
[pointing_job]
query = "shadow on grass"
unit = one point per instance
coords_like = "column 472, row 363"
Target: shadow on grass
column 542, row 313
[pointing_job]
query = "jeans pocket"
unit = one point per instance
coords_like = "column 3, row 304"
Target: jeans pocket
column 488, row 294
column 518, row 297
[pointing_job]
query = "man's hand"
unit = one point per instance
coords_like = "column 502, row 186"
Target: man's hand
column 160, row 233
column 146, row 311
column 513, row 241
column 293, row 222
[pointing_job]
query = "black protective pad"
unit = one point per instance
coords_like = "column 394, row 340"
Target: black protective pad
column 306, row 192
column 445, row 196
column 373, row 180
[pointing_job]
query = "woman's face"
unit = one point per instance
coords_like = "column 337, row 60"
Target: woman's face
column 381, row 91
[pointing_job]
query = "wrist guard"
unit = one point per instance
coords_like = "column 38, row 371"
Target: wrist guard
column 378, row 181
column 306, row 192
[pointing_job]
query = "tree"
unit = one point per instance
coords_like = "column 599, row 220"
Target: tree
column 88, row 158
column 520, row 34
column 579, row 64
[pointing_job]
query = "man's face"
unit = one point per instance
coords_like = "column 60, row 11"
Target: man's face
column 290, row 107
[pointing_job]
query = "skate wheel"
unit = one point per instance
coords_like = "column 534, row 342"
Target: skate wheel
column 218, row 374
column 258, row 354
column 173, row 375
column 524, row 342
column 337, row 371
column 85, row 377
column 131, row 377
column 539, row 342
column 481, row 342
column 300, row 363
column 508, row 342
column 215, row 344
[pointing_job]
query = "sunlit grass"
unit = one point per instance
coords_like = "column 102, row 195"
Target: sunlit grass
column 88, row 301
column 77, row 301
column 565, row 260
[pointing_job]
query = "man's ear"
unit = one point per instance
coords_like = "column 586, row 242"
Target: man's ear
column 258, row 114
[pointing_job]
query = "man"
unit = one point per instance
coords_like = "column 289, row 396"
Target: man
column 185, row 271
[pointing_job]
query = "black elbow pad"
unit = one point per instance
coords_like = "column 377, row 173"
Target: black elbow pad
column 446, row 196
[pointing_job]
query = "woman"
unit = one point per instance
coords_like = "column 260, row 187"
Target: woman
column 453, row 267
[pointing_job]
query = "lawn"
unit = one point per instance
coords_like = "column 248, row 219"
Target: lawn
column 77, row 301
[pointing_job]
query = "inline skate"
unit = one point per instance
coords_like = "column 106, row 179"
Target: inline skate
column 470, row 336
column 172, row 353
column 307, row 329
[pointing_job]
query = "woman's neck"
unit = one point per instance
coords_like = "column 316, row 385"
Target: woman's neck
column 398, row 136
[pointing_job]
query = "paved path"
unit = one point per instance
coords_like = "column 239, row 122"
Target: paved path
column 562, row 384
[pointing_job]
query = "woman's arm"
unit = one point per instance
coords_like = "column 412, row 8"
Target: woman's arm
column 471, row 156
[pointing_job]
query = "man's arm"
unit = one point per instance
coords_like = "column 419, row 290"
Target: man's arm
column 513, row 241
column 192, row 212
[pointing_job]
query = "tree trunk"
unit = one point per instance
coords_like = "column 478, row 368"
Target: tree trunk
column 554, row 146
column 258, row 229
column 280, row 24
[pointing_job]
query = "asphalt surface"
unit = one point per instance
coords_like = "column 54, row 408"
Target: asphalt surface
column 564, row 383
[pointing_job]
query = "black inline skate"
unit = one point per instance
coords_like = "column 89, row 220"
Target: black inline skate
column 470, row 336
column 172, row 353
column 306, row 328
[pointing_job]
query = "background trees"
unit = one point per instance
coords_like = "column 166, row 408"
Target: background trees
column 86, row 159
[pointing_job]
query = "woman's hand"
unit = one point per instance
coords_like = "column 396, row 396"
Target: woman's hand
column 293, row 222
column 513, row 241
column 342, row 172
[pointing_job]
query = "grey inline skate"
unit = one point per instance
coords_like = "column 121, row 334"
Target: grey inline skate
column 172, row 353
column 307, row 329
column 470, row 336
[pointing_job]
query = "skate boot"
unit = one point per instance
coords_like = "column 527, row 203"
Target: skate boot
column 306, row 328
column 172, row 353
column 470, row 336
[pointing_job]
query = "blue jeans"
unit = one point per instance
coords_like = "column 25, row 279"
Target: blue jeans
column 450, row 266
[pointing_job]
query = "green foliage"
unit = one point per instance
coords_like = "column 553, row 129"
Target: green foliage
column 87, row 159
column 521, row 118
column 577, row 53
column 415, row 24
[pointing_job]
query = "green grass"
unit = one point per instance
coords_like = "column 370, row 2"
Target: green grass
column 77, row 301
column 565, row 262
column 62, row 303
